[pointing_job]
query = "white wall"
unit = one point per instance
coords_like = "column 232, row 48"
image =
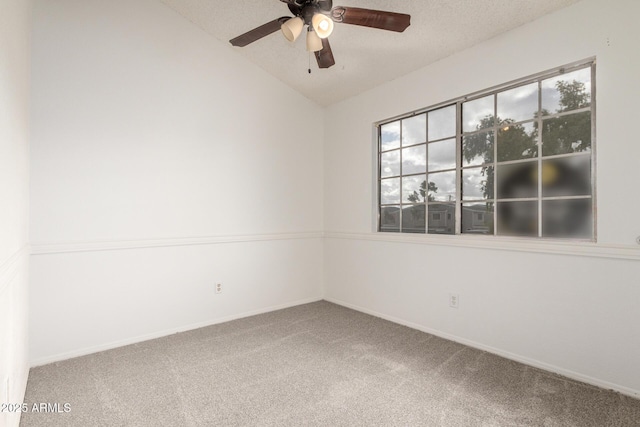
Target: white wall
column 575, row 314
column 149, row 132
column 15, row 30
column 155, row 147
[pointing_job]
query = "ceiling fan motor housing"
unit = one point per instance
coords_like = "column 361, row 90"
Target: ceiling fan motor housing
column 308, row 12
column 307, row 8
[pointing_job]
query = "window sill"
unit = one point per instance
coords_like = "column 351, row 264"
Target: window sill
column 545, row 246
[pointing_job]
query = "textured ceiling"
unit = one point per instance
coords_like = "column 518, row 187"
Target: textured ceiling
column 364, row 57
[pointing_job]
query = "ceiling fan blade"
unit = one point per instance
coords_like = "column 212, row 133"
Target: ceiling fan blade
column 259, row 32
column 371, row 18
column 325, row 56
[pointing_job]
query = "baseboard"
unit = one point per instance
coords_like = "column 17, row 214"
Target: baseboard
column 159, row 334
column 508, row 355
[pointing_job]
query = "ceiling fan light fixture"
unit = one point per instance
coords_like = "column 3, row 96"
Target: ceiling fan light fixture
column 292, row 28
column 314, row 43
column 322, row 24
column 319, row 17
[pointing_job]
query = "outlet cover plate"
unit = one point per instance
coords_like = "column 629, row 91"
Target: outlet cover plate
column 454, row 300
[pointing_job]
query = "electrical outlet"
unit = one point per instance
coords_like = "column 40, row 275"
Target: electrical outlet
column 454, row 300
column 218, row 288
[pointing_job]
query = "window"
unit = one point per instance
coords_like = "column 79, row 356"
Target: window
column 513, row 161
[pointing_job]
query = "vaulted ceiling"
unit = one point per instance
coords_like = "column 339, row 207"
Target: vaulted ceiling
column 364, row 57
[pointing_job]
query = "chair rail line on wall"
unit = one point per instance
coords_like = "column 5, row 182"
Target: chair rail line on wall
column 109, row 245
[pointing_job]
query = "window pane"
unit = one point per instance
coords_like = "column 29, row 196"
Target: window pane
column 567, row 92
column 442, row 155
column 518, row 104
column 414, row 160
column 413, row 189
column 477, row 183
column 414, row 130
column 442, row 218
column 517, row 142
column 390, row 191
column 390, row 136
column 568, row 176
column 442, row 186
column 567, row 134
column 519, row 180
column 478, row 114
column 567, row 218
column 413, row 219
column 442, row 123
column 390, row 218
column 390, row 164
column 477, row 149
column 477, row 218
column 525, row 162
column 518, row 219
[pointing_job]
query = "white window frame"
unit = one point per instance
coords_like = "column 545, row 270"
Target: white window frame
column 588, row 63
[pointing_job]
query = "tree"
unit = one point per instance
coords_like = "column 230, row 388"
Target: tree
column 565, row 134
column 570, row 133
column 573, row 95
column 514, row 142
column 419, row 198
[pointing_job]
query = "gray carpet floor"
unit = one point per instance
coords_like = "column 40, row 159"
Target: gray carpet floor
column 313, row 365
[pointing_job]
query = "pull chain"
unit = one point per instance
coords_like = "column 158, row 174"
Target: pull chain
column 309, row 62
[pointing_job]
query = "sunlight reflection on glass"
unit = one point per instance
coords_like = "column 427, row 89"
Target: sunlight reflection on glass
column 569, row 176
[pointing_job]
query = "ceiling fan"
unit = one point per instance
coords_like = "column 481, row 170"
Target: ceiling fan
column 319, row 17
